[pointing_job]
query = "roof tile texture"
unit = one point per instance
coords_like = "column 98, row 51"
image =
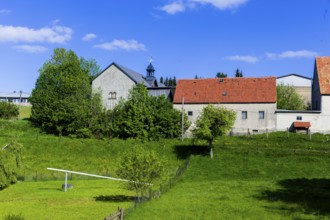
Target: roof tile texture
column 323, row 71
column 301, row 124
column 226, row 90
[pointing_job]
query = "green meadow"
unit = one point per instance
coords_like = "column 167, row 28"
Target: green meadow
column 279, row 177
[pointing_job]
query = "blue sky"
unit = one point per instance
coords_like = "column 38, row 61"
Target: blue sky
column 184, row 37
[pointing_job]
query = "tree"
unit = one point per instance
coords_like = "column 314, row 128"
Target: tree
column 238, row 73
column 288, row 98
column 90, row 66
column 143, row 168
column 146, row 117
column 161, row 80
column 8, row 110
column 10, row 163
column 221, row 75
column 61, row 99
column 212, row 123
column 174, row 81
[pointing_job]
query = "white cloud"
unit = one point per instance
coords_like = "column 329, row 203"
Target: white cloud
column 5, row 12
column 292, row 54
column 89, row 37
column 31, row 48
column 174, row 7
column 122, row 44
column 55, row 34
column 181, row 5
column 247, row 59
column 222, row 4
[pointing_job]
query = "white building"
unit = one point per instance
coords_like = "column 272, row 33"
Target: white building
column 19, row 98
column 253, row 100
column 301, row 83
column 116, row 81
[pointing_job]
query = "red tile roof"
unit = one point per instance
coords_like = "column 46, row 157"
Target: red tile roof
column 301, row 124
column 226, row 90
column 322, row 65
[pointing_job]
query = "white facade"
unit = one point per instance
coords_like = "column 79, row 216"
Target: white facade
column 259, row 116
column 113, row 85
column 294, row 80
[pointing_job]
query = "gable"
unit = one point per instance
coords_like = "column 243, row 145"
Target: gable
column 322, row 69
column 294, row 80
column 226, row 90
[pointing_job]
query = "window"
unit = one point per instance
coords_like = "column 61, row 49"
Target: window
column 244, row 114
column 112, row 95
column 299, row 118
column 190, row 113
column 261, row 115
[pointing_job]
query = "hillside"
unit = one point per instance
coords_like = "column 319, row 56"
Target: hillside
column 256, row 177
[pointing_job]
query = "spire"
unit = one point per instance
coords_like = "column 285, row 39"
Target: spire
column 150, row 71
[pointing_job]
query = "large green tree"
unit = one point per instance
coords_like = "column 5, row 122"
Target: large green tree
column 62, row 97
column 288, row 98
column 146, row 117
column 142, row 167
column 212, row 123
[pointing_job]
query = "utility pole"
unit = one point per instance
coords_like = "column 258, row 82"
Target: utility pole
column 182, row 120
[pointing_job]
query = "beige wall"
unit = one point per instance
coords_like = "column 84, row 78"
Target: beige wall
column 305, row 93
column 112, row 80
column 241, row 126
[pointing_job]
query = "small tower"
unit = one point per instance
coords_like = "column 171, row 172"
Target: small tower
column 150, row 72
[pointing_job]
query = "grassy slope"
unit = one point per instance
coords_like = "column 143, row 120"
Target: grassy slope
column 249, row 178
column 253, row 178
column 45, row 200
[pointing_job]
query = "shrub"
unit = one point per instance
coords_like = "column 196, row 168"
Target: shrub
column 14, row 217
column 8, row 110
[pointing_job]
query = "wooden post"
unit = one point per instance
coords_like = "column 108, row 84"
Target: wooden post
column 66, row 181
column 310, row 135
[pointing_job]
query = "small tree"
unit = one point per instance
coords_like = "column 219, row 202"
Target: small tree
column 212, row 123
column 10, row 163
column 288, row 98
column 143, row 168
column 221, row 75
column 238, row 73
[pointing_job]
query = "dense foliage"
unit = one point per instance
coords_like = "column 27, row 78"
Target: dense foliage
column 146, row 117
column 142, row 167
column 212, row 123
column 8, row 110
column 288, row 98
column 10, row 163
column 62, row 100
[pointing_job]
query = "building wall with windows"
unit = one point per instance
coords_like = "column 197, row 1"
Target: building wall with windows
column 253, row 100
column 250, row 117
column 113, row 85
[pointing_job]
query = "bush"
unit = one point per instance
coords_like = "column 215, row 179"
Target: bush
column 14, row 217
column 8, row 110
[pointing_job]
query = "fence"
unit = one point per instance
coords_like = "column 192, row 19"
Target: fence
column 119, row 215
column 156, row 193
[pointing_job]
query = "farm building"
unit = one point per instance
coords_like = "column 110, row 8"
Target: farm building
column 15, row 97
column 116, row 81
column 253, row 100
column 301, row 83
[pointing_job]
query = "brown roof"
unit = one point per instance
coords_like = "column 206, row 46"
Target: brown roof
column 301, row 124
column 226, row 90
column 322, row 65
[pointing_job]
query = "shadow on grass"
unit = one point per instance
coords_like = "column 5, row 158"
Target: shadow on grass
column 184, row 151
column 313, row 195
column 115, row 198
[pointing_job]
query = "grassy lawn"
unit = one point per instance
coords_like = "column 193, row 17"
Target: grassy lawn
column 89, row 199
column 278, row 177
column 250, row 179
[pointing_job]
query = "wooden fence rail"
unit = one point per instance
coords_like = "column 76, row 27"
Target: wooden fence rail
column 119, row 215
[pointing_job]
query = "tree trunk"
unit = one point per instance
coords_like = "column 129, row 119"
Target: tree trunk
column 211, row 149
